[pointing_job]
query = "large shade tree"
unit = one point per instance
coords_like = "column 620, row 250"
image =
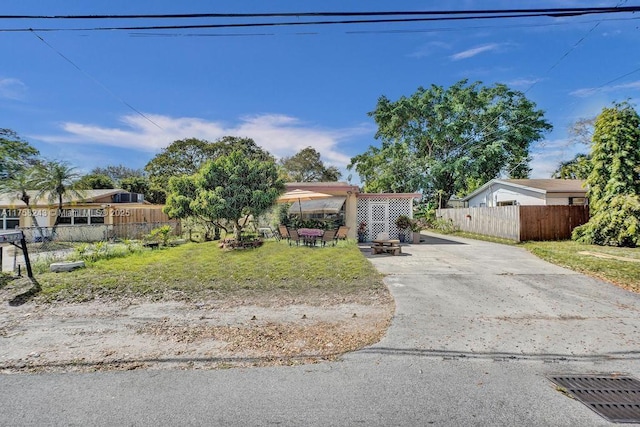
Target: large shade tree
column 307, row 166
column 446, row 141
column 96, row 182
column 117, row 173
column 229, row 187
column 16, row 155
column 186, row 156
column 614, row 182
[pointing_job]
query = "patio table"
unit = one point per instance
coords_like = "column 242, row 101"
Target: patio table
column 386, row 245
column 309, row 235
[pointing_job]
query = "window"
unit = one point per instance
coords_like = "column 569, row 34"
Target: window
column 9, row 219
column 97, row 216
column 507, row 203
column 577, row 201
column 81, row 216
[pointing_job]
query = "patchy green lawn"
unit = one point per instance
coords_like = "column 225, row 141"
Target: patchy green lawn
column 617, row 265
column 196, row 270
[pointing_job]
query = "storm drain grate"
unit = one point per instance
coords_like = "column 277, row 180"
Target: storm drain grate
column 614, row 397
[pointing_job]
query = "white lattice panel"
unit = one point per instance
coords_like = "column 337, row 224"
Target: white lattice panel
column 379, row 219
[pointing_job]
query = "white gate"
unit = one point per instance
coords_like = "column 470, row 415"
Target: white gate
column 379, row 212
column 378, row 218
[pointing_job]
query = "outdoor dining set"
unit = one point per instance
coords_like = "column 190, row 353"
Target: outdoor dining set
column 312, row 236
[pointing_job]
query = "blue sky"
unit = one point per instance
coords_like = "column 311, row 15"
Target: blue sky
column 127, row 94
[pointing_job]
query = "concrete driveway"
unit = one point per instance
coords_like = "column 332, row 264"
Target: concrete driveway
column 478, row 299
column 477, row 329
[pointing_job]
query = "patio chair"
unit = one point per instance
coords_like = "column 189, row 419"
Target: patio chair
column 341, row 234
column 293, row 236
column 284, row 232
column 265, row 232
column 329, row 236
column 275, row 234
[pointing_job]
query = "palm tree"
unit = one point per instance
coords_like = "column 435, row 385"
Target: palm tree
column 56, row 179
column 19, row 184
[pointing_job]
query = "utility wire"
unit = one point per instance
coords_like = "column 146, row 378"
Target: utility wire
column 542, row 11
column 109, row 91
column 332, row 22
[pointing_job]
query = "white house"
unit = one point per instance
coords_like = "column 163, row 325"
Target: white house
column 527, row 192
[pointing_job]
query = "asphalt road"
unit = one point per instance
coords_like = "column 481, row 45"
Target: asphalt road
column 478, row 328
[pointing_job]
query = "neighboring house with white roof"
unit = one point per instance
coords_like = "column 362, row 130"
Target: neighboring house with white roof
column 528, row 192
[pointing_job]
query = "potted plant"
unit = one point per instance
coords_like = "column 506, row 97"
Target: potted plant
column 403, row 223
column 416, row 227
column 362, row 231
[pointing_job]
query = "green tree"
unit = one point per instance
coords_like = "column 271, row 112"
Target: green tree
column 306, row 166
column 136, row 184
column 614, row 182
column 96, row 182
column 187, row 156
column 228, row 188
column 56, row 180
column 450, row 139
column 577, row 168
column 16, row 154
column 117, row 173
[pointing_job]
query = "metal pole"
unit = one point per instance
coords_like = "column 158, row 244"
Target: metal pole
column 23, row 243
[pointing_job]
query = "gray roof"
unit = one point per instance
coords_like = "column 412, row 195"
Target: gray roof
column 551, row 185
column 544, row 186
column 10, row 199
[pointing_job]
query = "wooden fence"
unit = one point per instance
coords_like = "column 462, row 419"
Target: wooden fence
column 519, row 223
column 139, row 215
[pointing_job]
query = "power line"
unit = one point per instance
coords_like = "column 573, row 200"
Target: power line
column 542, row 11
column 554, row 14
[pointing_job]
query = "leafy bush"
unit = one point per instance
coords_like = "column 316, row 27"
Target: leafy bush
column 160, row 234
column 445, row 225
column 618, row 225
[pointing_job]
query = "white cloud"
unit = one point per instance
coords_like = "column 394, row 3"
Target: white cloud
column 427, row 49
column 469, row 53
column 12, row 88
column 605, row 89
column 279, row 134
column 523, row 82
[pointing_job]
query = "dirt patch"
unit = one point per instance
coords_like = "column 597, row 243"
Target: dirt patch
column 134, row 334
column 607, row 256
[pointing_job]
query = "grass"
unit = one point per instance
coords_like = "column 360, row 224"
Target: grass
column 624, row 272
column 197, row 270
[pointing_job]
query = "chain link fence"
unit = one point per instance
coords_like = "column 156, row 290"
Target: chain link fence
column 96, row 232
column 42, row 243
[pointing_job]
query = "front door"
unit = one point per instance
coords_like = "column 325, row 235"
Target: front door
column 378, row 219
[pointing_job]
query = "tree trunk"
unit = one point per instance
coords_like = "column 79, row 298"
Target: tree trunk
column 237, row 231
